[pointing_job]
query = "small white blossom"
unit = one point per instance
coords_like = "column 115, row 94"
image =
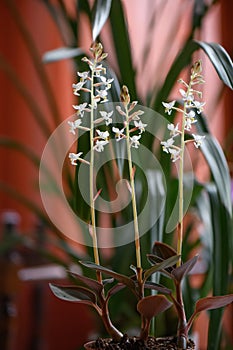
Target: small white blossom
column 197, row 140
column 140, row 126
column 102, row 94
column 74, row 125
column 187, row 96
column 174, row 130
column 103, row 134
column 167, row 144
column 189, row 120
column 80, row 108
column 188, row 124
column 74, row 157
column 199, row 106
column 95, row 101
column 99, row 146
column 191, row 114
column 106, row 82
column 175, row 154
column 83, row 75
column 106, row 116
column 98, row 70
column 77, row 87
column 169, row 106
column 119, row 133
column 134, row 141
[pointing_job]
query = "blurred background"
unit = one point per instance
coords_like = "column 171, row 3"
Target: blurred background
column 143, row 39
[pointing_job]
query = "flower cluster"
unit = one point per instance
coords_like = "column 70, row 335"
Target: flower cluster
column 97, row 85
column 130, row 115
column 191, row 107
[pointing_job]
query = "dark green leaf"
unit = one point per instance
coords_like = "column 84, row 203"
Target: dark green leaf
column 158, row 287
column 122, row 47
column 161, row 266
column 96, row 286
column 121, row 278
column 101, row 12
column 221, row 257
column 73, row 293
column 219, row 169
column 217, row 55
column 220, row 60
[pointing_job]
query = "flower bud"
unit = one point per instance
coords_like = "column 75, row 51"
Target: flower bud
column 196, row 68
column 125, row 96
column 96, row 49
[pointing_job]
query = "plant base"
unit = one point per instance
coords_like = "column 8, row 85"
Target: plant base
column 133, row 343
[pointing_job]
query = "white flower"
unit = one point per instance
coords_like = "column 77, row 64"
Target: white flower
column 80, row 108
column 197, row 140
column 98, row 70
column 191, row 114
column 140, row 126
column 188, row 124
column 174, row 130
column 119, row 133
column 83, row 75
column 168, row 106
column 74, row 157
column 189, row 120
column 134, row 141
column 106, row 116
column 107, row 82
column 103, row 134
column 199, row 106
column 167, row 144
column 74, row 125
column 102, row 94
column 187, row 96
column 175, row 154
column 77, row 87
column 99, row 146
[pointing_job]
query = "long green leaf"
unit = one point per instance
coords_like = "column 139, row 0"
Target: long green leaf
column 61, row 53
column 100, row 13
column 122, row 47
column 218, row 57
column 220, row 60
column 222, row 255
column 216, row 160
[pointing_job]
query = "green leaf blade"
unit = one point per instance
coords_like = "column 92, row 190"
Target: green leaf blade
column 101, row 12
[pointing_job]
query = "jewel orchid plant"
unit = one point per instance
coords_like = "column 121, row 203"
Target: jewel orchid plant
column 164, row 259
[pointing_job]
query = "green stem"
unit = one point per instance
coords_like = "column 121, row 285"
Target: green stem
column 134, row 206
column 181, row 191
column 91, row 181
